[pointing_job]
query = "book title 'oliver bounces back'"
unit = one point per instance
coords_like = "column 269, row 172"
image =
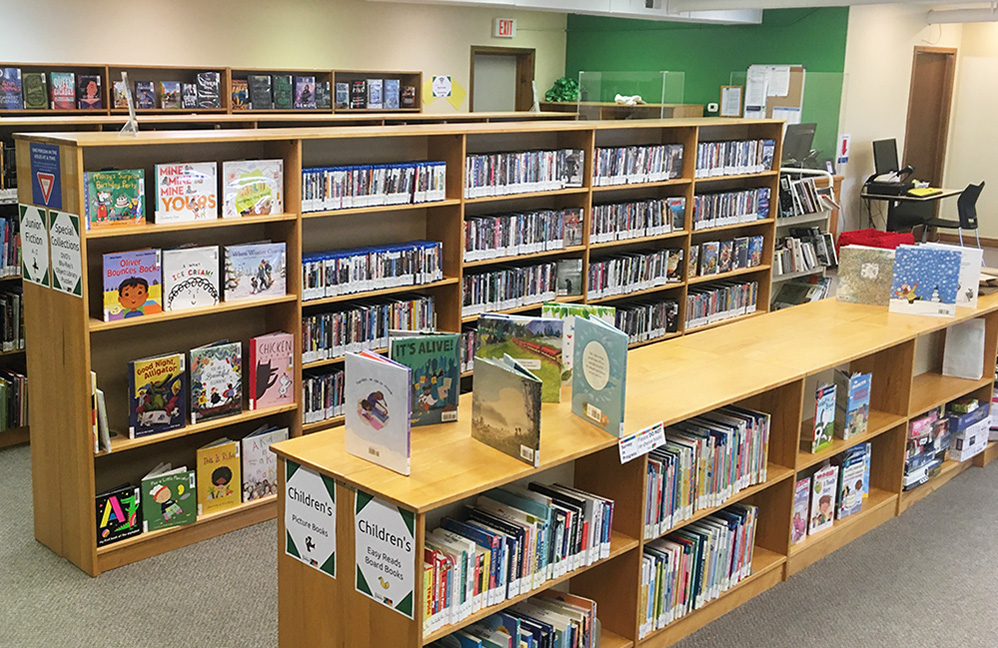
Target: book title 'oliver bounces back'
column 132, row 284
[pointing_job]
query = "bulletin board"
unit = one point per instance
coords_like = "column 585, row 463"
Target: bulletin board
column 774, row 91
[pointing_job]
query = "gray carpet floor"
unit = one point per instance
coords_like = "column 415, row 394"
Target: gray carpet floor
column 926, row 579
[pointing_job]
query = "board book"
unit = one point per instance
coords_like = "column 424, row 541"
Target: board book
column 506, row 408
column 823, row 428
column 599, row 376
column 216, row 380
column 157, row 393
column 378, row 409
column 114, row 197
column 259, row 463
column 271, row 370
column 190, row 277
column 535, row 342
column 219, row 476
column 252, row 188
column 823, row 489
column 852, row 407
column 434, row 359
column 132, row 284
column 169, row 497
column 255, row 271
column 186, row 192
column 119, row 514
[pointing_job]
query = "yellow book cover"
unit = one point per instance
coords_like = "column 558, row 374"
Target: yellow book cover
column 219, row 477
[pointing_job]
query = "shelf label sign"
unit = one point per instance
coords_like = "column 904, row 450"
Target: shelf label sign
column 67, row 259
column 385, row 553
column 442, row 86
column 310, row 517
column 641, row 442
column 34, row 245
column 504, row 28
column 46, row 174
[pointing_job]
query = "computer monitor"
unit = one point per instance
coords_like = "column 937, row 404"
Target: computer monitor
column 797, row 143
column 885, row 156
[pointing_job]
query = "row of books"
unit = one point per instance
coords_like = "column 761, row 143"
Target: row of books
column 691, row 567
column 705, row 462
column 149, row 281
column 832, row 491
column 12, row 319
column 730, row 208
column 333, row 334
column 530, row 232
column 841, row 409
column 637, row 164
column 280, row 92
column 508, row 287
column 548, row 618
column 802, row 197
column 501, row 174
column 795, row 255
column 13, row 399
column 322, row 395
column 203, row 93
column 958, row 432
column 734, row 157
column 373, row 185
column 511, row 541
column 375, row 94
column 724, row 300
column 10, row 246
column 631, row 220
column 356, row 270
column 801, row 291
column 226, row 473
column 627, row 273
column 715, row 257
column 644, row 321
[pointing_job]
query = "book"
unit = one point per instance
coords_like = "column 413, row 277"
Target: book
column 132, row 284
column 823, row 488
column 358, row 94
column 62, row 90
column 11, row 97
column 677, row 210
column 208, row 88
column 219, row 476
column 408, row 96
column 271, row 370
column 261, row 94
column 156, row 393
column 252, row 188
column 119, row 514
column 506, row 408
column 378, row 407
column 963, row 350
column 188, row 96
column 88, row 94
column 740, row 254
column 259, row 463
column 435, row 363
column 971, row 261
column 925, row 281
column 304, row 92
column 145, row 94
column 852, row 481
column 323, row 99
column 823, row 425
column 342, row 98
column 599, row 378
column 865, row 275
column 186, row 192
column 852, row 407
column 169, row 94
column 569, row 277
column 392, row 93
column 375, row 94
column 255, row 271
column 708, row 257
column 568, row 313
column 169, row 497
column 755, row 251
column 190, row 277
column 216, row 380
column 240, row 94
column 802, row 493
column 572, row 219
column 284, row 92
column 725, row 252
column 36, row 90
column 534, row 342
column 114, row 197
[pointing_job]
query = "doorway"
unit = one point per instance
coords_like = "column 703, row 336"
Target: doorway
column 929, row 102
column 501, row 79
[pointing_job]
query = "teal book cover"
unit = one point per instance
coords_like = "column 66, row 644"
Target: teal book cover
column 506, row 408
column 535, row 342
column 600, row 374
column 435, row 361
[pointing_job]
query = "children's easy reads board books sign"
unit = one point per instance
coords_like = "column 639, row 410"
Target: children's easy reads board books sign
column 132, row 284
column 114, row 197
column 925, row 281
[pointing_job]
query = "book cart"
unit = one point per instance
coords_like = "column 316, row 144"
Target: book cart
column 764, row 363
column 66, row 337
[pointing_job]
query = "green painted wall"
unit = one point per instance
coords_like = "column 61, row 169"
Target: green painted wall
column 708, row 54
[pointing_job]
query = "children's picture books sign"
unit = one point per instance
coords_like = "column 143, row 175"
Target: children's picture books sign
column 310, row 517
column 34, row 245
column 67, row 260
column 385, row 553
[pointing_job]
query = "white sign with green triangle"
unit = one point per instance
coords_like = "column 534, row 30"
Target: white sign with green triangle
column 34, row 245
column 67, row 258
column 310, row 517
column 385, row 553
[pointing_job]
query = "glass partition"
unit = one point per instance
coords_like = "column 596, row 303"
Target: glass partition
column 642, row 95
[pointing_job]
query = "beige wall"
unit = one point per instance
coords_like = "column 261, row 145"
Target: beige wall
column 353, row 34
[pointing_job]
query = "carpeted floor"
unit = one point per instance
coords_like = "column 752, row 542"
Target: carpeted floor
column 926, row 579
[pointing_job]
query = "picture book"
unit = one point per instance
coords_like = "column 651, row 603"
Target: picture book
column 392, row 91
column 323, row 100
column 36, row 90
column 114, row 197
column 568, row 313
column 169, row 94
column 119, row 98
column 358, row 94
column 865, row 275
column 823, row 488
column 852, row 480
column 240, row 94
column 119, row 514
column 284, row 92
column 156, row 392
column 304, row 92
column 802, row 493
column 569, row 277
column 261, row 93
column 62, row 90
column 219, row 474
column 601, row 370
column 534, row 342
column 824, row 418
column 190, row 277
column 169, row 497
column 11, row 97
column 375, row 90
column 132, row 284
column 755, row 251
column 708, row 258
column 971, row 261
column 209, row 93
column 255, row 271
column 252, row 188
column 342, row 98
column 378, row 409
column 88, row 94
column 725, row 251
column 145, row 94
column 435, row 361
column 852, row 409
column 188, row 96
column 271, row 370
column 186, row 192
column 925, row 281
column 259, row 463
column 216, row 380
column 506, row 408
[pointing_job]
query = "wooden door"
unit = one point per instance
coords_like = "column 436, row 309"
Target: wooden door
column 929, row 102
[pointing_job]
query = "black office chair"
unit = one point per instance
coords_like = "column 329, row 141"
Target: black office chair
column 966, row 209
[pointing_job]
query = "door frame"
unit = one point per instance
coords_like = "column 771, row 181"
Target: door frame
column 942, row 137
column 525, row 62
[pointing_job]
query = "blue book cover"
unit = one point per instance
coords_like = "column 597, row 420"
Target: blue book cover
column 601, row 369
column 434, row 359
column 925, row 281
column 377, row 408
column 10, row 89
column 852, row 409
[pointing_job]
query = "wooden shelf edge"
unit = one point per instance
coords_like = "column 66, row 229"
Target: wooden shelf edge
column 961, row 387
column 374, row 209
column 110, row 231
column 737, row 176
column 673, row 182
column 877, row 500
column 166, row 316
column 637, row 293
column 524, row 257
column 638, row 241
column 884, row 421
column 315, row 364
column 568, row 191
column 446, row 281
column 699, row 279
column 721, row 228
column 466, row 319
column 319, row 426
column 15, row 436
column 729, row 320
column 609, row 639
column 990, row 454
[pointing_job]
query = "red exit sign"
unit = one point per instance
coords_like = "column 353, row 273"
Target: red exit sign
column 504, row 27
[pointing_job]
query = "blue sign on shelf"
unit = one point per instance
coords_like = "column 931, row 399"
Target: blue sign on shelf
column 46, row 176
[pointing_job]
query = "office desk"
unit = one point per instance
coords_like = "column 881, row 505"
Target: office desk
column 939, row 195
column 905, row 212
